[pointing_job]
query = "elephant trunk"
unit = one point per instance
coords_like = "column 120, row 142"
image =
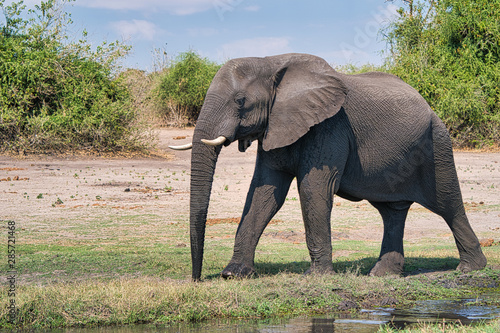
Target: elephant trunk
column 203, row 161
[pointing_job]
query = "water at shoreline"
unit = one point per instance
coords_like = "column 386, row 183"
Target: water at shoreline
column 464, row 311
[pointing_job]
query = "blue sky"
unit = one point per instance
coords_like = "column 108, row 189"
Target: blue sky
column 339, row 31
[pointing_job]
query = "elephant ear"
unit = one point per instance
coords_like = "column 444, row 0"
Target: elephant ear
column 307, row 91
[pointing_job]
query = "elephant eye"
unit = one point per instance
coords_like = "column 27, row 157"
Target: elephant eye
column 240, row 102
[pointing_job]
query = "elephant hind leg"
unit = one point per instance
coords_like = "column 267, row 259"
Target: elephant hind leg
column 391, row 259
column 469, row 249
column 445, row 199
column 451, row 208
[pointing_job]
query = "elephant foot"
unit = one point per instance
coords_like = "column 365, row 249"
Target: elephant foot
column 320, row 269
column 234, row 270
column 390, row 263
column 472, row 263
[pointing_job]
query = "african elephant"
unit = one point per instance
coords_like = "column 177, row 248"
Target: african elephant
column 368, row 136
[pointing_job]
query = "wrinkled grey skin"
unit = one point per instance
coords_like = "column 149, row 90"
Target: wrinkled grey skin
column 367, row 136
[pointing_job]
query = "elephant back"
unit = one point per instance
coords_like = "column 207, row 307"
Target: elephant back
column 388, row 117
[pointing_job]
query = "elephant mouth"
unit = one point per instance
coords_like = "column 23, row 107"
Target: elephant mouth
column 243, row 144
column 246, row 141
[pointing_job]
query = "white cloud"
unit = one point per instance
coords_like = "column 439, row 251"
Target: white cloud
column 135, row 29
column 252, row 8
column 177, row 7
column 255, row 47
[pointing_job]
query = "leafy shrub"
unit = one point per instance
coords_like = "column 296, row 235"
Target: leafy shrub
column 183, row 87
column 56, row 95
column 449, row 51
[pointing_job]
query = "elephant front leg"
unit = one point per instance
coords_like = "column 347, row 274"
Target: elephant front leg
column 391, row 259
column 267, row 194
column 316, row 198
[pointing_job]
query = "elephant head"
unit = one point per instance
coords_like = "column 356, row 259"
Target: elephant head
column 274, row 100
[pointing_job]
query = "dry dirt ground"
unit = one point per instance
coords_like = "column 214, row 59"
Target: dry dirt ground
column 37, row 189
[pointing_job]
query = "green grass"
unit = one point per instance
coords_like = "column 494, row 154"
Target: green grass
column 135, row 269
column 122, row 301
column 492, row 327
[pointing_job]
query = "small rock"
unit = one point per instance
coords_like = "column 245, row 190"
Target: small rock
column 486, row 242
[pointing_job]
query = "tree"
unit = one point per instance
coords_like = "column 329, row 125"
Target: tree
column 184, row 85
column 55, row 94
column 450, row 51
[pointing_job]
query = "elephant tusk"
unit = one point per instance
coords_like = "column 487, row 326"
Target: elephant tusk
column 220, row 140
column 183, row 147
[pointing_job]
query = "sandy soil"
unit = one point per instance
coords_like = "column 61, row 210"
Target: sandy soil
column 40, row 188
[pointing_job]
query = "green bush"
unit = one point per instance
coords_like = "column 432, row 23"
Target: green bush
column 450, row 51
column 56, row 95
column 183, row 87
